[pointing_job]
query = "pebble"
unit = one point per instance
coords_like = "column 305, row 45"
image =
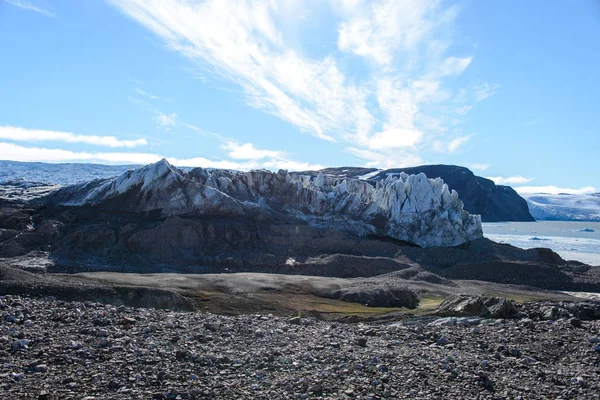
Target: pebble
column 168, row 355
column 443, row 340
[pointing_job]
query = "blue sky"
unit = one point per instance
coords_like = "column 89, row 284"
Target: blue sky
column 508, row 88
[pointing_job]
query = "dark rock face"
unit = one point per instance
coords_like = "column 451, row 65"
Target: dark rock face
column 480, row 196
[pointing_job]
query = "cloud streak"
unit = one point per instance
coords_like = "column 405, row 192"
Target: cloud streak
column 479, row 166
column 15, row 133
column 511, row 180
column 403, row 45
column 27, row 5
column 144, row 93
column 166, row 120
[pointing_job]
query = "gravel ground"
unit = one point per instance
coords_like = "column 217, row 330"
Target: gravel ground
column 53, row 349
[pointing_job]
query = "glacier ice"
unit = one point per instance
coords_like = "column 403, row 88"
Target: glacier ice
column 411, row 208
column 564, row 207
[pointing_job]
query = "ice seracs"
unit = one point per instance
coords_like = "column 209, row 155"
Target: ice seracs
column 411, row 208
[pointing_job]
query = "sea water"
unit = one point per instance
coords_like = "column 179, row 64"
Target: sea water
column 572, row 240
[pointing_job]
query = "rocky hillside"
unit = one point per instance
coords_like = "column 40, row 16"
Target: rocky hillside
column 411, row 208
column 480, row 195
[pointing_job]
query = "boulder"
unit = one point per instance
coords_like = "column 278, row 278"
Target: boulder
column 500, row 307
column 463, row 305
column 478, row 306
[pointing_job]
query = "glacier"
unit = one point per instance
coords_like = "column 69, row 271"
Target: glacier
column 411, row 208
column 564, row 207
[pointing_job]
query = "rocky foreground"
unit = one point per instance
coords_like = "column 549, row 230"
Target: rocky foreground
column 52, row 349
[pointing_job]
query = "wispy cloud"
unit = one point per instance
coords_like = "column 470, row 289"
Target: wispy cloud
column 485, row 90
column 524, row 190
column 27, row 5
column 534, row 122
column 457, row 143
column 247, row 151
column 165, row 120
column 386, row 159
column 511, row 180
column 479, row 166
column 397, row 104
column 380, row 29
column 451, row 146
column 37, row 135
column 144, row 93
column 255, row 157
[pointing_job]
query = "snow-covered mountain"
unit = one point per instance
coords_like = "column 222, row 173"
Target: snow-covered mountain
column 564, row 207
column 405, row 207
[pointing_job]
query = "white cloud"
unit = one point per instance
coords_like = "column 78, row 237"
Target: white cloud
column 511, row 180
column 452, row 146
column 388, row 158
column 37, row 135
column 395, row 137
column 165, row 119
column 479, row 166
column 9, row 151
column 27, row 5
column 463, row 110
column 377, row 31
column 458, row 143
column 144, row 93
column 403, row 41
column 247, row 151
column 454, row 65
column 523, row 190
column 485, row 90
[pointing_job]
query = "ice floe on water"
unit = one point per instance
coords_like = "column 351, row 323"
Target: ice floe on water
column 572, row 240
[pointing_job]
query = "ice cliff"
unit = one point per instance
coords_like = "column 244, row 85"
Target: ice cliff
column 411, row 208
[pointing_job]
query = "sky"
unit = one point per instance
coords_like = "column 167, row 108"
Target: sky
column 509, row 89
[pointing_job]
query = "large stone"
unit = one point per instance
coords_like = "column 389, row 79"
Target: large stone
column 479, row 306
column 500, row 307
column 463, row 305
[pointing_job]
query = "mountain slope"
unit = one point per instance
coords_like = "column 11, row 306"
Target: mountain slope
column 480, row 196
column 411, row 208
